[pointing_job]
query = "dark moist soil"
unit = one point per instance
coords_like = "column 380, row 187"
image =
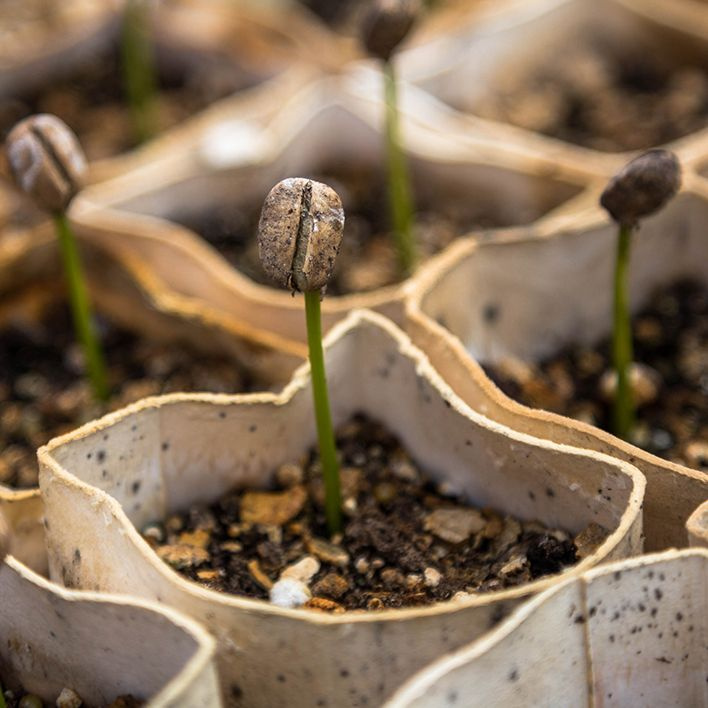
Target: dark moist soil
column 91, row 100
column 405, row 542
column 43, row 392
column 367, row 258
column 602, row 98
column 671, row 338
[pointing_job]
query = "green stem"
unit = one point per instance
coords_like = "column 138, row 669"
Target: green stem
column 2, row 698
column 399, row 188
column 622, row 339
column 138, row 69
column 80, row 308
column 325, row 432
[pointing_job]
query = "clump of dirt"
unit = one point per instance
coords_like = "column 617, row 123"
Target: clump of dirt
column 603, row 98
column 44, row 392
column 671, row 385
column 405, row 542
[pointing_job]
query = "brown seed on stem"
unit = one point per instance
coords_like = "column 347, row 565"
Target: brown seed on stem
column 642, row 187
column 299, row 233
column 387, row 24
column 46, row 161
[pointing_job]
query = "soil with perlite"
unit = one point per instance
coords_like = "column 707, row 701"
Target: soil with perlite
column 671, row 390
column 405, row 541
column 44, row 393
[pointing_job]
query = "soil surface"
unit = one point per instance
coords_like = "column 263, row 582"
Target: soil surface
column 19, row 698
column 43, row 392
column 90, row 97
column 670, row 342
column 367, row 258
column 405, row 541
column 602, row 98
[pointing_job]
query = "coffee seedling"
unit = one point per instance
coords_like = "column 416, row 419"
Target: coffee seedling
column 47, row 162
column 639, row 189
column 138, row 68
column 385, row 26
column 299, row 234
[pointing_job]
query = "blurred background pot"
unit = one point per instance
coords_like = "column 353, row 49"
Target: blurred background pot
column 185, row 449
column 213, row 182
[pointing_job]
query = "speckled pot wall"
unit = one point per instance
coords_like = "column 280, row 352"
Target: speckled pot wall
column 191, row 448
column 626, row 634
column 445, row 317
column 100, row 646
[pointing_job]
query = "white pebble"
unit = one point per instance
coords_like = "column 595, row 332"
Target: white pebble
column 432, row 577
column 303, row 570
column 68, row 699
column 288, row 592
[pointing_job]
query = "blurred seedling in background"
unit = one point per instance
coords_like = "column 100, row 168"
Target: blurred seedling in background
column 138, row 65
column 48, row 163
column 639, row 189
column 299, row 235
column 384, row 27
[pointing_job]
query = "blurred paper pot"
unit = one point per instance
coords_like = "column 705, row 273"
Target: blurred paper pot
column 163, row 454
column 630, row 633
column 100, row 647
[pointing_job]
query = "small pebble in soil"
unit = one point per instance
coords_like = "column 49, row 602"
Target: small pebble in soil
column 670, row 378
column 67, row 698
column 404, row 545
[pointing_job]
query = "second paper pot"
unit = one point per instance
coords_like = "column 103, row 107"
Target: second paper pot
column 99, row 647
column 627, row 634
column 108, row 479
column 535, row 292
column 191, row 217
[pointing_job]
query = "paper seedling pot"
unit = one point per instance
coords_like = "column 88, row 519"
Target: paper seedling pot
column 100, row 646
column 697, row 526
column 564, row 296
column 109, row 478
column 625, row 634
column 236, row 158
column 469, row 67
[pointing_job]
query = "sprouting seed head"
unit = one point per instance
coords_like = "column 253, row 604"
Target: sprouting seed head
column 642, row 187
column 300, row 232
column 386, row 25
column 46, row 161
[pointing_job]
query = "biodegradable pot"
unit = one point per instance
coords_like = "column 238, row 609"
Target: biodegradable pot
column 630, row 633
column 106, row 480
column 466, row 67
column 563, row 297
column 100, row 646
column 224, row 48
column 697, row 526
column 236, row 159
